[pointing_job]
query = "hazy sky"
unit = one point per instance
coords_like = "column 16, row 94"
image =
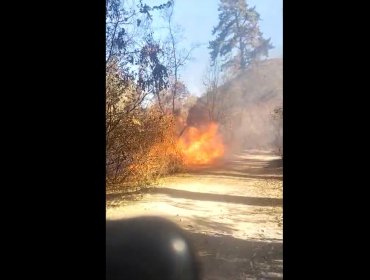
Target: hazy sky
column 198, row 17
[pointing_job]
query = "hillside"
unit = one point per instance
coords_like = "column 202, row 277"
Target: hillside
column 244, row 108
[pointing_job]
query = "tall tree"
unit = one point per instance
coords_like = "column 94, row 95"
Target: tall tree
column 239, row 40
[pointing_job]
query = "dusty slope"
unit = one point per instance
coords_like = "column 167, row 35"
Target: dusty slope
column 233, row 213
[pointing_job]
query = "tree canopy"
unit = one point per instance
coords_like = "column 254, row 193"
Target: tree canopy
column 239, row 40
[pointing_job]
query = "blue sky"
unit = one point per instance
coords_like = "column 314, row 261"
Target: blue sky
column 197, row 19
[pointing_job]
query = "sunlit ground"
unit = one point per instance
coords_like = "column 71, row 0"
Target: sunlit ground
column 233, row 212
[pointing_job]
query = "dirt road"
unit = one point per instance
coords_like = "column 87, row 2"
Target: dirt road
column 232, row 211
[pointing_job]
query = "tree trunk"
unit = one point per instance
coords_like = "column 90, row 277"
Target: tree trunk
column 241, row 45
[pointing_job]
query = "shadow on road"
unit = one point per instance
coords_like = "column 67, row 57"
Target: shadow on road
column 233, row 242
column 216, row 174
column 225, row 257
column 243, row 168
column 256, row 201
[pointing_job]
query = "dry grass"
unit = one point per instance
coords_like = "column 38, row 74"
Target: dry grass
column 148, row 143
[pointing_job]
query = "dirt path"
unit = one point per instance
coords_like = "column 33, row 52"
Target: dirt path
column 233, row 213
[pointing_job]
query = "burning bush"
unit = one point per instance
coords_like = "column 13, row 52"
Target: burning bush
column 201, row 145
column 146, row 149
column 141, row 142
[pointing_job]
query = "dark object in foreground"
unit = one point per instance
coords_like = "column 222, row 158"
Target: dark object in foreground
column 148, row 248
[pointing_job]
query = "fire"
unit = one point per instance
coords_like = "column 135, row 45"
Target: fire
column 201, row 145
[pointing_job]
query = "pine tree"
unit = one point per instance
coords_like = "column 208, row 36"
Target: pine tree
column 239, row 40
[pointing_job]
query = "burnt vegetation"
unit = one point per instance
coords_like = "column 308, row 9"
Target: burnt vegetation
column 148, row 106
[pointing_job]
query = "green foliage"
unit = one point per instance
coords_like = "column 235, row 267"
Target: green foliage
column 239, row 40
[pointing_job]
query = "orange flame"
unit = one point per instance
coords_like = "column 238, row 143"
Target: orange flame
column 201, row 146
